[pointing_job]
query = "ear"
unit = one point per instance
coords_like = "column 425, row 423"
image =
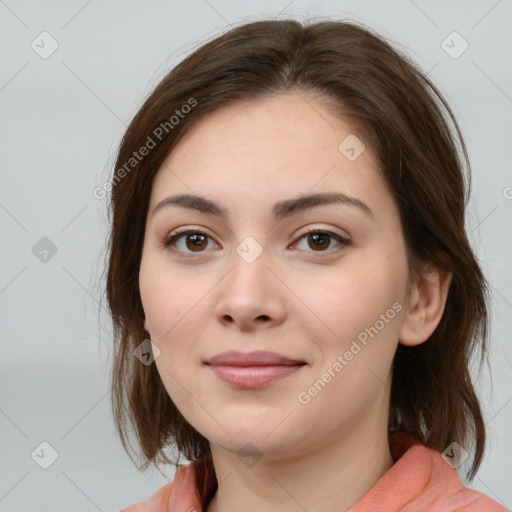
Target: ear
column 425, row 308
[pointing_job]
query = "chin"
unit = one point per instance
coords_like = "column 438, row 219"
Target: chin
column 253, row 443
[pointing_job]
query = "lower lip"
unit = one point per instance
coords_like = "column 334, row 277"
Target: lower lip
column 253, row 376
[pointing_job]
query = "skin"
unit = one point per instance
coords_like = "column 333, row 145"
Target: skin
column 303, row 300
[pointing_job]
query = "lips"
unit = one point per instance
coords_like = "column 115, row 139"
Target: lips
column 254, row 369
column 255, row 358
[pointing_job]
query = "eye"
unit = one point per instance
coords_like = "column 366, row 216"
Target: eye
column 321, row 239
column 195, row 242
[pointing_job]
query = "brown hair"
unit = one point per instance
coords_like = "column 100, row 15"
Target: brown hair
column 406, row 121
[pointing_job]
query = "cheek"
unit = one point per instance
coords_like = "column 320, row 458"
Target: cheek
column 352, row 298
column 166, row 296
column 363, row 311
column 175, row 312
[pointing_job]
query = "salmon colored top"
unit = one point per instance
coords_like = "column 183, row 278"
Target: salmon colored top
column 419, row 481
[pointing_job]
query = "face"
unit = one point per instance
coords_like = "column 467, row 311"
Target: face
column 333, row 300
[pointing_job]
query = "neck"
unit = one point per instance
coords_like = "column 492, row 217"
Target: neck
column 334, row 477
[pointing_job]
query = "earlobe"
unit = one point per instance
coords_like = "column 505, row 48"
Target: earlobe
column 146, row 325
column 427, row 300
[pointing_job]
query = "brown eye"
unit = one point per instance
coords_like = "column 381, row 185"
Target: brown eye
column 195, row 241
column 319, row 240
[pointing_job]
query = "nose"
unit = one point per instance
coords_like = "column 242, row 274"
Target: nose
column 251, row 295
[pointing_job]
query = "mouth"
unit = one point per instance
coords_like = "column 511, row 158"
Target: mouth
column 254, row 376
column 254, row 358
column 254, row 369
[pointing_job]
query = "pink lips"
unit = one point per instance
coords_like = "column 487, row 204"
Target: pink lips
column 253, row 369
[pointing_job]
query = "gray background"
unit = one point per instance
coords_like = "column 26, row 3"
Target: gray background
column 61, row 120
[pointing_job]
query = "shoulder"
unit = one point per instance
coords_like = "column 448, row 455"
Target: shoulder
column 452, row 494
column 449, row 493
column 469, row 500
column 180, row 494
column 422, row 480
column 160, row 500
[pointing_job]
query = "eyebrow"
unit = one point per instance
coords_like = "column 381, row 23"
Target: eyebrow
column 280, row 210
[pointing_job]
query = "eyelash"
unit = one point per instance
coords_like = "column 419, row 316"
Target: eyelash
column 173, row 237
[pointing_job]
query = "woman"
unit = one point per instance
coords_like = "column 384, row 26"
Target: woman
column 288, row 229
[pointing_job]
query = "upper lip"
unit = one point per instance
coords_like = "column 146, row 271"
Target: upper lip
column 255, row 358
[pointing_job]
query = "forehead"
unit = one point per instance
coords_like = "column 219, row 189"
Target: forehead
column 283, row 145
